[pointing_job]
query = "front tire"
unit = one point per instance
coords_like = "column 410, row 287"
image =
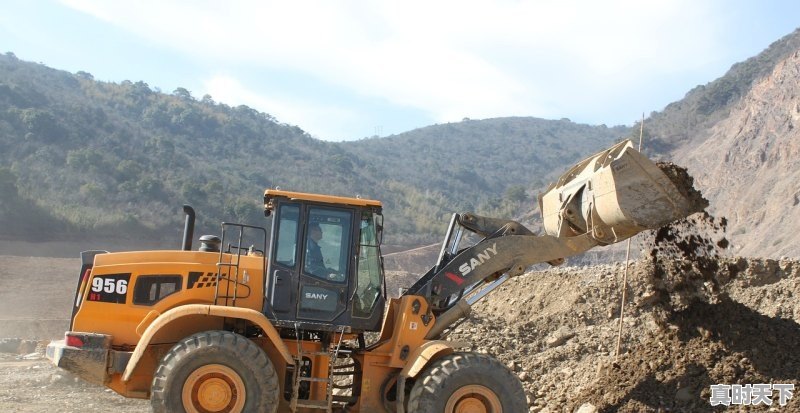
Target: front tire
column 215, row 371
column 467, row 382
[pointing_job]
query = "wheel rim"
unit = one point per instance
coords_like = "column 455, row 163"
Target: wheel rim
column 473, row 399
column 213, row 388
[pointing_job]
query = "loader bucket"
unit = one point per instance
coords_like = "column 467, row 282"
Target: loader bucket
column 614, row 195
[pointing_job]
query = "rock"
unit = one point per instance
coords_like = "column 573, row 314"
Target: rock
column 60, row 379
column 513, row 366
column 559, row 337
column 602, row 369
column 684, row 394
column 587, row 408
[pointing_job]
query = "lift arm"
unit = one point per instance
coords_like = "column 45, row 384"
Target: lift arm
column 603, row 199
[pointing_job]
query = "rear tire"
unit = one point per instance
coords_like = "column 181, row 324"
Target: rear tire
column 215, row 371
column 467, row 382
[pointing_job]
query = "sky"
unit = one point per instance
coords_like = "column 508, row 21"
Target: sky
column 344, row 70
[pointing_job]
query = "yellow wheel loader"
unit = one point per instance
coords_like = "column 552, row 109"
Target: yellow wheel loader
column 297, row 319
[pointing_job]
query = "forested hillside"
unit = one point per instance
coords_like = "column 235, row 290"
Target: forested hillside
column 78, row 157
column 121, row 158
column 493, row 166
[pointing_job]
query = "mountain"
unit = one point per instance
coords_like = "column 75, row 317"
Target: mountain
column 689, row 120
column 113, row 159
column 739, row 136
column 493, row 166
column 750, row 165
column 81, row 157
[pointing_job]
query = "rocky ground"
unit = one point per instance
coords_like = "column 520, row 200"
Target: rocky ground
column 35, row 298
column 556, row 328
column 29, row 383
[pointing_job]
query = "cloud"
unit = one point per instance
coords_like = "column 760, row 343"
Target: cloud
column 449, row 58
column 328, row 121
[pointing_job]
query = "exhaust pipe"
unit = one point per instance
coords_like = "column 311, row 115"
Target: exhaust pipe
column 188, row 228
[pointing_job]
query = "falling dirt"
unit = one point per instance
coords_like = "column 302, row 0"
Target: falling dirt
column 685, row 184
column 685, row 261
column 685, row 256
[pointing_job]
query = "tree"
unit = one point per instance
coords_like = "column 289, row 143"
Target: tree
column 516, row 193
column 8, row 184
column 40, row 123
column 183, row 93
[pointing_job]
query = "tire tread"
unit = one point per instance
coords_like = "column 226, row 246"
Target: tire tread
column 427, row 392
column 238, row 346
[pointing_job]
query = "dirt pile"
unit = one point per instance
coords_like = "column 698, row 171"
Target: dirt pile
column 557, row 329
column 707, row 344
column 702, row 335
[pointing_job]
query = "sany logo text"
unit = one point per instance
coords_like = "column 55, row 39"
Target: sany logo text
column 475, row 262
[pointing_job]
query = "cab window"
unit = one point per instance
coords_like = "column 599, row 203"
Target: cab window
column 369, row 284
column 327, row 244
column 286, row 249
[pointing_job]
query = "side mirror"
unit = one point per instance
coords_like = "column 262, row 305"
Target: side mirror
column 379, row 229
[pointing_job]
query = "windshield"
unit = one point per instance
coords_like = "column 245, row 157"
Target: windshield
column 370, row 269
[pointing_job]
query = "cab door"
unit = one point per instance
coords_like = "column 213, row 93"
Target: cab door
column 326, row 263
column 283, row 265
column 310, row 262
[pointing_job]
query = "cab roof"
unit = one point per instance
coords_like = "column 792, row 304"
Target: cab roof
column 330, row 199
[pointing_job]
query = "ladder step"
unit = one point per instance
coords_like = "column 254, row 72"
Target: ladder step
column 345, row 399
column 314, row 379
column 343, row 373
column 315, row 353
column 313, row 404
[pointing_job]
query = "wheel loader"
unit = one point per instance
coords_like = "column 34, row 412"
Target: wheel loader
column 297, row 318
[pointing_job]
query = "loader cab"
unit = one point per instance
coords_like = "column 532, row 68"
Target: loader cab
column 324, row 271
